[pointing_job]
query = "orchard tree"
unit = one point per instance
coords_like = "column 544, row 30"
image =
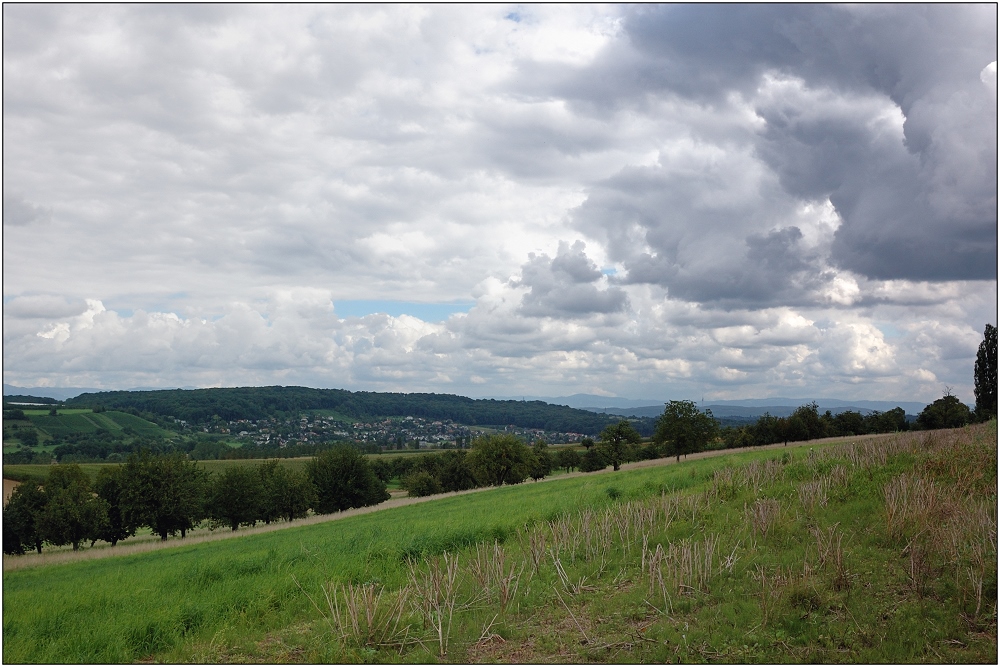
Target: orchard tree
column 286, row 494
column 72, row 513
column 166, row 493
column 615, row 439
column 683, row 429
column 236, row 497
column 568, row 458
column 20, row 514
column 500, row 459
column 343, row 479
column 593, row 460
column 543, row 460
column 109, row 487
column 986, row 375
column 456, row 475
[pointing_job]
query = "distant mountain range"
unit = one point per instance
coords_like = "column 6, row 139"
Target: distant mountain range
column 748, row 407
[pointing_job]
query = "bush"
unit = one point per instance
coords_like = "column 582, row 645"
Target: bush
column 421, row 483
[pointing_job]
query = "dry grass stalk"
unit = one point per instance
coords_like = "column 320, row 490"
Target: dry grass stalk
column 771, row 586
column 729, row 561
column 535, row 549
column 917, row 566
column 827, row 543
column 490, row 570
column 569, row 586
column 365, row 615
column 685, row 567
column 654, row 561
column 911, row 502
column 763, row 515
column 435, row 592
column 839, row 476
column 813, row 494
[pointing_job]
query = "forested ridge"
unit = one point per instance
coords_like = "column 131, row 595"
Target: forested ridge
column 199, row 405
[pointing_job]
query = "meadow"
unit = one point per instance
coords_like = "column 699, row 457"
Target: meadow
column 875, row 551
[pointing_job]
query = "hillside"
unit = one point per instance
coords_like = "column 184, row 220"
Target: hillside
column 254, row 403
column 881, row 551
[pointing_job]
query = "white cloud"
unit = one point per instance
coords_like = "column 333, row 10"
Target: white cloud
column 189, row 189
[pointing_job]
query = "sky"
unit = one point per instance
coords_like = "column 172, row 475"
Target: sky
column 644, row 201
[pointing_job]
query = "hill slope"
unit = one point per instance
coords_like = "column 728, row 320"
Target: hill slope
column 199, row 405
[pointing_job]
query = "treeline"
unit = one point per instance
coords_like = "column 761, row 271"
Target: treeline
column 806, row 423
column 170, row 495
column 255, row 403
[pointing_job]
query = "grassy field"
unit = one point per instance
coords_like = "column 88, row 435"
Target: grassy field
column 881, row 551
column 79, row 420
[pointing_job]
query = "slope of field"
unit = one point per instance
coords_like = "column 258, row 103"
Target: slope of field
column 879, row 551
column 83, row 421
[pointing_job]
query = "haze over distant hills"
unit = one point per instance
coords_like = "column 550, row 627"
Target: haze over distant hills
column 747, row 407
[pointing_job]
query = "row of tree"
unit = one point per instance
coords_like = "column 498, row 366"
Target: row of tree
column 170, row 495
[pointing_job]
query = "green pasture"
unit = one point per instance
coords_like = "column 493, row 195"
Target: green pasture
column 823, row 579
column 121, row 609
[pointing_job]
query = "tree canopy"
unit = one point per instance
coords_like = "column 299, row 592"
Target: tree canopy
column 614, row 440
column 986, row 375
column 500, row 459
column 945, row 412
column 344, row 479
column 683, row 429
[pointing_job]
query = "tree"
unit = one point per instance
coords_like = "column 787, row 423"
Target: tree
column 456, row 475
column 593, row 460
column 543, row 460
column 945, row 412
column 683, row 429
column 587, row 443
column 568, row 458
column 28, row 437
column 614, row 441
column 344, row 479
column 72, row 513
column 109, row 486
column 287, row 494
column 499, row 459
column 20, row 528
column 236, row 497
column 166, row 493
column 986, row 375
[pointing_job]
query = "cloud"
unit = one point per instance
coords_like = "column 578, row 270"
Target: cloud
column 656, row 200
column 19, row 212
column 564, row 286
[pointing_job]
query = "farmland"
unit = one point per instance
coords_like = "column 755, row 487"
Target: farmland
column 807, row 554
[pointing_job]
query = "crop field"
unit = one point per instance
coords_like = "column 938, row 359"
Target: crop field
column 873, row 551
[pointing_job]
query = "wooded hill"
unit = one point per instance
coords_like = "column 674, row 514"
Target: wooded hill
column 200, row 405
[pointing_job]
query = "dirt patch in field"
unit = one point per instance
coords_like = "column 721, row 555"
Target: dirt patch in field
column 8, row 488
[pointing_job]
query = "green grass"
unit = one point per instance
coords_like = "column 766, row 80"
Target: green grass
column 236, row 600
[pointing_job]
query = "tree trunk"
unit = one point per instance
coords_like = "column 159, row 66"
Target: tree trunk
column 38, row 545
column 76, row 546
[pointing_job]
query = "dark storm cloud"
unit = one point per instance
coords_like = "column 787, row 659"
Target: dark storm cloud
column 920, row 206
